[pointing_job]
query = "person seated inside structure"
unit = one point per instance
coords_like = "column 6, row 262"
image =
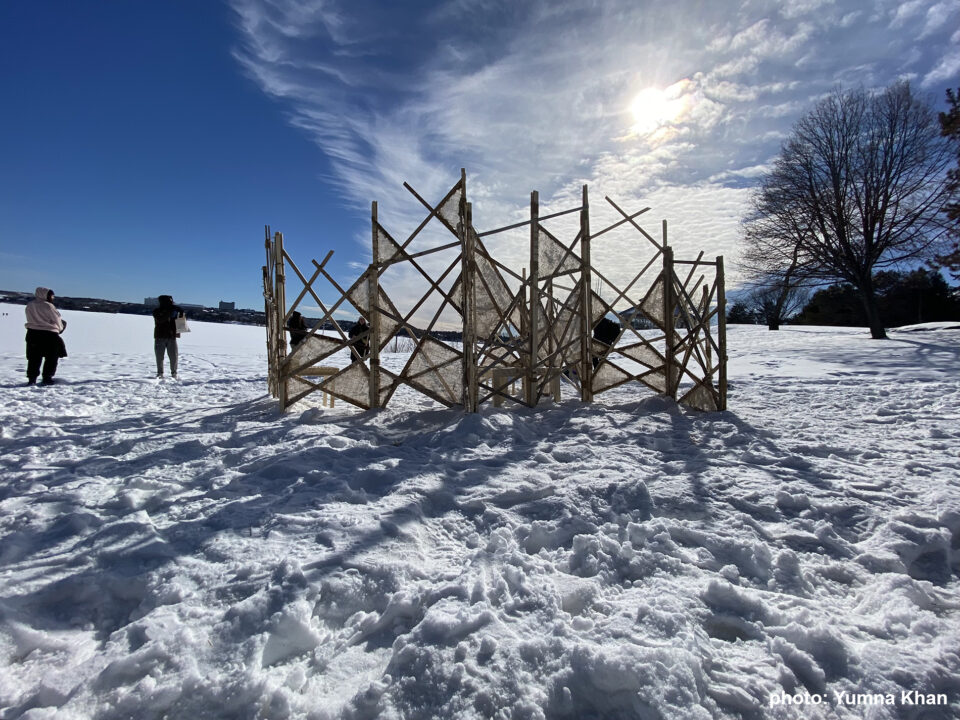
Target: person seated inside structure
column 297, row 326
column 606, row 331
column 361, row 348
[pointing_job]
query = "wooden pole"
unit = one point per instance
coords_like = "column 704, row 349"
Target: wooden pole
column 374, row 319
column 668, row 321
column 704, row 314
column 268, row 316
column 586, row 304
column 530, row 391
column 279, row 311
column 722, row 332
column 469, row 306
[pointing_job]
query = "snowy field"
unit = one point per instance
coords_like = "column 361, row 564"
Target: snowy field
column 180, row 549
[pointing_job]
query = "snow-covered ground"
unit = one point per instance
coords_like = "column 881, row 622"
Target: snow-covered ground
column 180, row 549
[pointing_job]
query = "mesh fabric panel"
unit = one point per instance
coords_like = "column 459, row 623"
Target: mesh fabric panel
column 297, row 388
column 387, row 247
column 359, row 294
column 388, row 325
column 450, row 210
column 456, row 291
column 550, row 254
column 643, row 354
column 446, row 383
column 652, row 305
column 606, row 375
column 656, row 380
column 352, row 384
column 599, row 308
column 311, row 350
column 493, row 297
column 700, row 398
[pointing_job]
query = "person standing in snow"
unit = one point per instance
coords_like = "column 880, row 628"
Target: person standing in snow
column 297, row 326
column 361, row 348
column 165, row 333
column 44, row 343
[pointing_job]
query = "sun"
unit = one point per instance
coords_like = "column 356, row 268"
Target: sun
column 652, row 108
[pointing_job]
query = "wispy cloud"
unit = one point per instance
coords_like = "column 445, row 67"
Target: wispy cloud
column 675, row 105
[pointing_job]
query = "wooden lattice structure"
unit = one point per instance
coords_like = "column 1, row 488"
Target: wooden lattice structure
column 523, row 334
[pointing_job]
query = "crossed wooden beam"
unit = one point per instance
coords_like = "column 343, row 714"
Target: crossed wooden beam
column 534, row 327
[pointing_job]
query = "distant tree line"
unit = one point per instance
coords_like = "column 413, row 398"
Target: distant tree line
column 902, row 299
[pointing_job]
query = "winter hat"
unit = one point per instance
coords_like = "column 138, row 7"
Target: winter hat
column 166, row 299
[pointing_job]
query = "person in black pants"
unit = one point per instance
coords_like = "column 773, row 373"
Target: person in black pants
column 44, row 344
column 165, row 333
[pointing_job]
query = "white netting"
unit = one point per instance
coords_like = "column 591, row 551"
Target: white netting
column 643, row 354
column 437, row 369
column 598, row 308
column 606, row 375
column 700, row 398
column 656, row 380
column 499, row 357
column 387, row 247
column 652, row 305
column 495, row 282
column 387, row 383
column 551, row 257
column 493, row 297
column 456, row 294
column 352, row 384
column 450, row 210
column 567, row 328
column 598, row 348
column 359, row 294
column 297, row 388
column 488, row 314
column 311, row 350
column 388, row 324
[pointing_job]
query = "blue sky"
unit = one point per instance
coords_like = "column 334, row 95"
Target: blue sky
column 145, row 145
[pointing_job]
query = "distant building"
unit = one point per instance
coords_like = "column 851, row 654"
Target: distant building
column 228, row 305
column 151, row 302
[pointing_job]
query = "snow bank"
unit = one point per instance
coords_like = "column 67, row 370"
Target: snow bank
column 181, row 549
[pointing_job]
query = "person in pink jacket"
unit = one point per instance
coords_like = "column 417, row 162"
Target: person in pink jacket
column 44, row 344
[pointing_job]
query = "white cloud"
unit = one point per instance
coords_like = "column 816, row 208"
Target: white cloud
column 538, row 95
column 939, row 15
column 947, row 68
column 905, row 11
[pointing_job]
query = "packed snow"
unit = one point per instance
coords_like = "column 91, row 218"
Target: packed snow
column 181, row 549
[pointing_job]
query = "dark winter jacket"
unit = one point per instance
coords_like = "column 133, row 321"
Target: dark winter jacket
column 361, row 348
column 165, row 320
column 297, row 326
column 606, row 331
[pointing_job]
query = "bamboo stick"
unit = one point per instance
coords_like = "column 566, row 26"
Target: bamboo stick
column 586, row 303
column 722, row 333
column 534, row 284
column 373, row 342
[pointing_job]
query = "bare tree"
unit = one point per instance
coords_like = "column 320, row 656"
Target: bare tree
column 950, row 129
column 857, row 187
column 775, row 264
column 777, row 300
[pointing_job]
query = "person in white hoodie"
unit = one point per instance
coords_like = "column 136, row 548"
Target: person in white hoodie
column 44, row 344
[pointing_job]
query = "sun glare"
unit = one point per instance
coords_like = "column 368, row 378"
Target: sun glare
column 653, row 108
